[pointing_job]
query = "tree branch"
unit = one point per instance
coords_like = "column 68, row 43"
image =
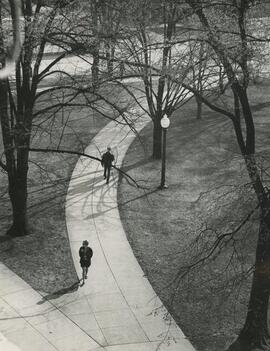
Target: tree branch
column 77, row 153
column 3, row 166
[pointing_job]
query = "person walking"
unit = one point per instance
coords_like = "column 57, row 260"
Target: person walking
column 86, row 254
column 106, row 162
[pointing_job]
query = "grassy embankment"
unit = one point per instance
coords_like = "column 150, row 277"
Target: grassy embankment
column 208, row 191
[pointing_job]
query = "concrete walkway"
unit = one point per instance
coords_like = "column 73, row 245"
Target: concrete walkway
column 117, row 305
column 31, row 322
column 117, row 309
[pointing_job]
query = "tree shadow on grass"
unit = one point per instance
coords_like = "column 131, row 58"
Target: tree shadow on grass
column 119, row 204
column 6, row 243
column 55, row 295
column 260, row 106
column 5, row 238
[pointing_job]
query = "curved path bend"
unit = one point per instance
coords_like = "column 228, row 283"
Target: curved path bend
column 117, row 306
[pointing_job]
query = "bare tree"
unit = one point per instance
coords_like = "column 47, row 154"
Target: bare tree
column 96, row 34
column 19, row 96
column 198, row 67
column 232, row 40
column 151, row 53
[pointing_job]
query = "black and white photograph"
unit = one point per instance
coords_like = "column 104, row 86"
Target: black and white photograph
column 134, row 175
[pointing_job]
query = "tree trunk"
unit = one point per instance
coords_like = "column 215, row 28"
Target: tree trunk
column 95, row 69
column 255, row 333
column 17, row 185
column 18, row 188
column 157, row 139
column 199, row 108
column 96, row 45
column 109, row 59
column 18, row 197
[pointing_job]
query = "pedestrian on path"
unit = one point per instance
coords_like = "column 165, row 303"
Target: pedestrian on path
column 86, row 254
column 106, row 162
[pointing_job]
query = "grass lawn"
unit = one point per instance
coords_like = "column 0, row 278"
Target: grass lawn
column 209, row 193
column 43, row 258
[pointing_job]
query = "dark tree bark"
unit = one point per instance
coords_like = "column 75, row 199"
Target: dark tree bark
column 96, row 45
column 157, row 139
column 255, row 333
column 18, row 197
column 95, row 68
column 199, row 108
column 16, row 167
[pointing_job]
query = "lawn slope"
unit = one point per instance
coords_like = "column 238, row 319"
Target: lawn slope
column 209, row 193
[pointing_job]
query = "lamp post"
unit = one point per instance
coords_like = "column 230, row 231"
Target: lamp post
column 165, row 123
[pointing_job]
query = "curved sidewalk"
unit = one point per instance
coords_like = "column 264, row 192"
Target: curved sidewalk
column 126, row 312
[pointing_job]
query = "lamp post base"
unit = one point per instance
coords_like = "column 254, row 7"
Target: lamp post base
column 162, row 187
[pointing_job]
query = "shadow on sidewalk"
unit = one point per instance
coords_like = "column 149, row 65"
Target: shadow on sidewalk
column 74, row 287
column 113, row 205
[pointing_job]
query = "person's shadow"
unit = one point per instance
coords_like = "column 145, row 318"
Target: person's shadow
column 56, row 294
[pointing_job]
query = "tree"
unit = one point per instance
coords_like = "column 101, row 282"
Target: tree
column 23, row 111
column 19, row 98
column 131, row 49
column 112, row 18
column 199, row 69
column 232, row 40
column 100, row 23
column 153, row 54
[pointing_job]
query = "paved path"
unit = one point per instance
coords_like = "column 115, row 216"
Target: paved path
column 118, row 298
column 29, row 322
column 117, row 309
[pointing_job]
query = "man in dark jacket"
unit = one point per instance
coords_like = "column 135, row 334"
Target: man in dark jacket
column 106, row 162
